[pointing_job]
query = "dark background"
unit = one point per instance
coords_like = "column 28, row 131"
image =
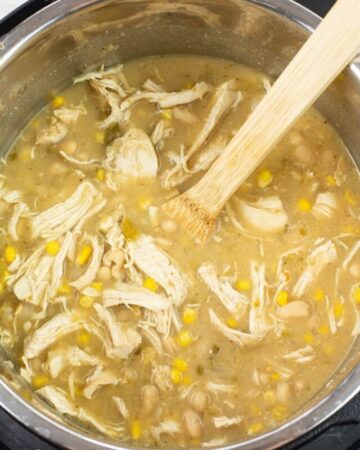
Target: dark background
column 340, row 432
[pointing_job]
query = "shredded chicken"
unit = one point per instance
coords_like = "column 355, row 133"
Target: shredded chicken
column 161, row 376
column 89, row 275
column 131, row 295
column 123, row 337
column 169, row 427
column 325, row 205
column 56, row 328
column 53, row 134
column 121, row 407
column 70, row 115
column 59, row 359
column 168, row 99
column 157, row 265
column 133, row 155
column 112, row 85
column 225, row 98
column 302, row 355
column 240, row 338
column 226, row 422
column 323, row 255
column 234, row 301
column 160, row 133
column 100, row 377
column 62, row 217
column 58, row 398
column 264, row 217
column 20, row 210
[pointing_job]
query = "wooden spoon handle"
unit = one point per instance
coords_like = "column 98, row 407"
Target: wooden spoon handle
column 332, row 46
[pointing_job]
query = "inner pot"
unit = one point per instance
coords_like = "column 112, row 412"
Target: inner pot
column 45, row 52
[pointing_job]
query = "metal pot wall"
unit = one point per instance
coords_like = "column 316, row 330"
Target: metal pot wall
column 66, row 38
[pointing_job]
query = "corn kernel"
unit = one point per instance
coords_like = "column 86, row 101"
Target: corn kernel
column 324, row 329
column 356, row 295
column 328, row 349
column 187, row 380
column 64, row 289
column 131, row 233
column 176, row 376
column 256, row 410
column 279, row 412
column 180, row 364
column 338, row 310
column 185, row 338
column 26, row 395
column 100, row 137
column 78, row 391
column 136, row 429
column 270, row 397
column 308, row 337
column 83, row 339
column 264, row 178
column 144, row 202
column 40, row 381
column 304, row 205
column 4, row 276
column 2, row 288
column 10, row 253
column 330, row 181
column 350, row 197
column 58, row 101
column 166, row 114
column 100, row 174
column 189, row 85
column 151, row 284
column 53, row 248
column 243, row 285
column 97, row 285
column 189, row 315
column 282, row 298
column 275, row 376
column 232, row 322
column 25, row 155
column 84, row 255
column 319, row 295
column 255, row 428
column 86, row 301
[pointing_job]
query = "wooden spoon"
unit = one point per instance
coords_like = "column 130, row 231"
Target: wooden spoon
column 325, row 54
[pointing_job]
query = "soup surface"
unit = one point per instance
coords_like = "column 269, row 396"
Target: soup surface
column 116, row 317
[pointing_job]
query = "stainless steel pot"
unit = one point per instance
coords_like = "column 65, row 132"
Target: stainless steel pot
column 68, row 37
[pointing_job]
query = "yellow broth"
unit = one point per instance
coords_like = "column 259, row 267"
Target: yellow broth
column 208, row 384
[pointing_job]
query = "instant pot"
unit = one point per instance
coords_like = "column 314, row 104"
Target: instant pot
column 45, row 44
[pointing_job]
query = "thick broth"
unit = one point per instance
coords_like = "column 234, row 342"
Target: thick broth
column 214, row 342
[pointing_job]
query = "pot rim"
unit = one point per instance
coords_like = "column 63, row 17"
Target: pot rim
column 40, row 423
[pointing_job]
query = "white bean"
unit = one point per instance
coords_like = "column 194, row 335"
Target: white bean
column 304, row 154
column 68, row 147
column 168, row 225
column 58, row 169
column 129, row 374
column 300, row 384
column 198, row 400
column 294, row 310
column 283, row 393
column 192, row 424
column 149, row 396
column 104, row 274
column 354, row 270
